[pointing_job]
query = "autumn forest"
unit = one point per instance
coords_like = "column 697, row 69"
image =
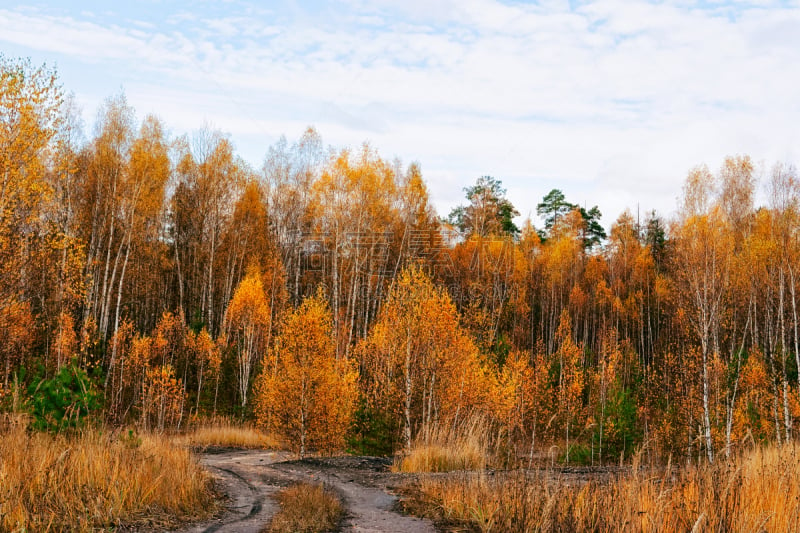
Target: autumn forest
column 153, row 281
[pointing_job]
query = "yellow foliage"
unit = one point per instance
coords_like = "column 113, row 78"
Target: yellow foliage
column 29, row 117
column 753, row 415
column 163, row 399
column 571, row 377
column 304, row 393
column 65, row 343
column 419, row 364
column 204, row 352
column 16, row 328
column 248, row 322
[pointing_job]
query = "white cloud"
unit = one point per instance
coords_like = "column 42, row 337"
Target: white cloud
column 612, row 101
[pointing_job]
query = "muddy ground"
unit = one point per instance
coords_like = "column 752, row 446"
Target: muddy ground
column 250, row 478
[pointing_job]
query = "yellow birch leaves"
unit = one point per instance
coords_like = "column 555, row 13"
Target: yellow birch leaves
column 304, row 393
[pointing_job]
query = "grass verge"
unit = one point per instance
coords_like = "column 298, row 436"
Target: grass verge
column 446, row 447
column 307, row 508
column 226, row 434
column 96, row 480
column 757, row 491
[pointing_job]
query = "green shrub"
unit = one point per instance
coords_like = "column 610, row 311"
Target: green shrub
column 64, row 401
column 620, row 429
column 372, row 433
column 579, row 454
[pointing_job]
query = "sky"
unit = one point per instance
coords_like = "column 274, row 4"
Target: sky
column 611, row 101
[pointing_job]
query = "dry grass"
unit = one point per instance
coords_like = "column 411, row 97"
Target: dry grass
column 96, row 480
column 226, row 434
column 445, row 448
column 759, row 491
column 307, row 508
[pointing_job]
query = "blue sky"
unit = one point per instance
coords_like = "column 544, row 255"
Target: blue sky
column 611, row 101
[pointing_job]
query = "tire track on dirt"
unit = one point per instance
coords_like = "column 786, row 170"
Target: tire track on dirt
column 363, row 483
column 249, row 507
column 255, row 506
column 251, row 478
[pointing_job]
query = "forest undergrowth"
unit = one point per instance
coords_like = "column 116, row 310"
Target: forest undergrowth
column 97, row 479
column 753, row 490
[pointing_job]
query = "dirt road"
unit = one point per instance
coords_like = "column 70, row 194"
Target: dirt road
column 250, row 479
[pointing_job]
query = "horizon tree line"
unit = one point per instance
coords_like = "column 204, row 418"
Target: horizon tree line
column 322, row 296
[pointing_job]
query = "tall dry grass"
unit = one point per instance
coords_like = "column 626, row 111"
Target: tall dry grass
column 225, row 433
column 757, row 491
column 445, row 447
column 95, row 480
column 307, row 508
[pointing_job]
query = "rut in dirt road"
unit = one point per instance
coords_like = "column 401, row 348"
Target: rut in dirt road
column 249, row 508
column 251, row 478
column 363, row 484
